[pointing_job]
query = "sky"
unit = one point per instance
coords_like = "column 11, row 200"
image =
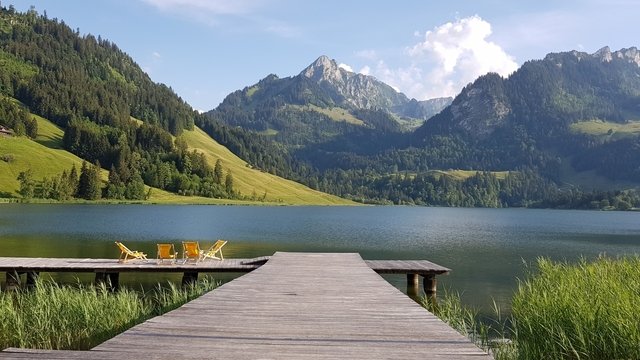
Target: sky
column 206, row 49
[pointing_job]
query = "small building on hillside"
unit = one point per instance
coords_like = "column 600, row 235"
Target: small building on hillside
column 5, row 132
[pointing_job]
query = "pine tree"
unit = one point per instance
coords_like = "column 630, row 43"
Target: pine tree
column 89, row 184
column 73, row 181
column 217, row 172
column 27, row 184
column 228, row 184
column 94, row 184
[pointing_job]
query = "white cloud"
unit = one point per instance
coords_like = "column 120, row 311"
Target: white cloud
column 346, row 67
column 156, row 55
column 366, row 70
column 446, row 59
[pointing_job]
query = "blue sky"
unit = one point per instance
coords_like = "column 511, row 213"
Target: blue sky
column 205, row 49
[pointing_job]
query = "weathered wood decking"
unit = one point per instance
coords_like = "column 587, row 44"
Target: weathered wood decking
column 109, row 269
column 27, row 264
column 297, row 305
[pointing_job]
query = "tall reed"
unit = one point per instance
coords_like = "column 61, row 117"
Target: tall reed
column 81, row 316
column 490, row 337
column 585, row 310
column 588, row 310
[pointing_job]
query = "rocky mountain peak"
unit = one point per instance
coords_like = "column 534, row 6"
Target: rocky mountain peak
column 604, row 54
column 323, row 68
column 631, row 55
column 482, row 107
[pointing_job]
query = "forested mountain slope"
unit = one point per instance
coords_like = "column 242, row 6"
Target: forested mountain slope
column 93, row 92
column 539, row 117
column 568, row 123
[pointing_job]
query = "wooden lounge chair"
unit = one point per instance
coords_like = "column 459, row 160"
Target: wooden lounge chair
column 191, row 251
column 166, row 252
column 216, row 248
column 126, row 254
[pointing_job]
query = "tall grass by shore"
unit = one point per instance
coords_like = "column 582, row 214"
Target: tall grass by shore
column 80, row 317
column 588, row 310
column 585, row 310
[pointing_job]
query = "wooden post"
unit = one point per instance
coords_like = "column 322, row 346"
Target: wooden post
column 430, row 284
column 13, row 281
column 110, row 279
column 413, row 286
column 32, row 278
column 114, row 281
column 189, row 278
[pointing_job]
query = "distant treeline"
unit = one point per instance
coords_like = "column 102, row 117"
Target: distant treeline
column 484, row 189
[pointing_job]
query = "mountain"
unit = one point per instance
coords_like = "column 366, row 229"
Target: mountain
column 545, row 136
column 323, row 101
column 348, row 89
column 351, row 90
column 563, row 87
column 570, row 120
column 541, row 116
column 107, row 111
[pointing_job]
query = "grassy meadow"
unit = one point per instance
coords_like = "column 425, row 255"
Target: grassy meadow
column 46, row 158
column 334, row 113
column 465, row 174
column 248, row 180
column 607, row 130
column 27, row 154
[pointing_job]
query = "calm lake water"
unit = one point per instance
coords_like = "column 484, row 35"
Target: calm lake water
column 485, row 248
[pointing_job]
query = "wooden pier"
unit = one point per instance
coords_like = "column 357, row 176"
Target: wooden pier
column 296, row 305
column 108, row 270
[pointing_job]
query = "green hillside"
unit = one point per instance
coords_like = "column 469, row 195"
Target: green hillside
column 249, row 181
column 333, row 113
column 465, row 174
column 607, row 130
column 46, row 158
column 27, row 154
column 89, row 90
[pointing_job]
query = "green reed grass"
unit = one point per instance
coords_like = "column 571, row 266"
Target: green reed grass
column 585, row 310
column 588, row 310
column 80, row 317
column 490, row 337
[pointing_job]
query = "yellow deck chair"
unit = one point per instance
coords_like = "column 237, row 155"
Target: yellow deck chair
column 216, row 248
column 126, row 254
column 191, row 251
column 166, row 252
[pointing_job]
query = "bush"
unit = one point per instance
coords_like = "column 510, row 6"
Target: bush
column 8, row 158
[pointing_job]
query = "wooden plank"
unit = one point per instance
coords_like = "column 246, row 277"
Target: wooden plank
column 300, row 306
column 101, row 265
column 297, row 305
column 21, row 264
column 230, row 265
column 421, row 267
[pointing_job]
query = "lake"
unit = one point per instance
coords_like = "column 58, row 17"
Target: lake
column 485, row 248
